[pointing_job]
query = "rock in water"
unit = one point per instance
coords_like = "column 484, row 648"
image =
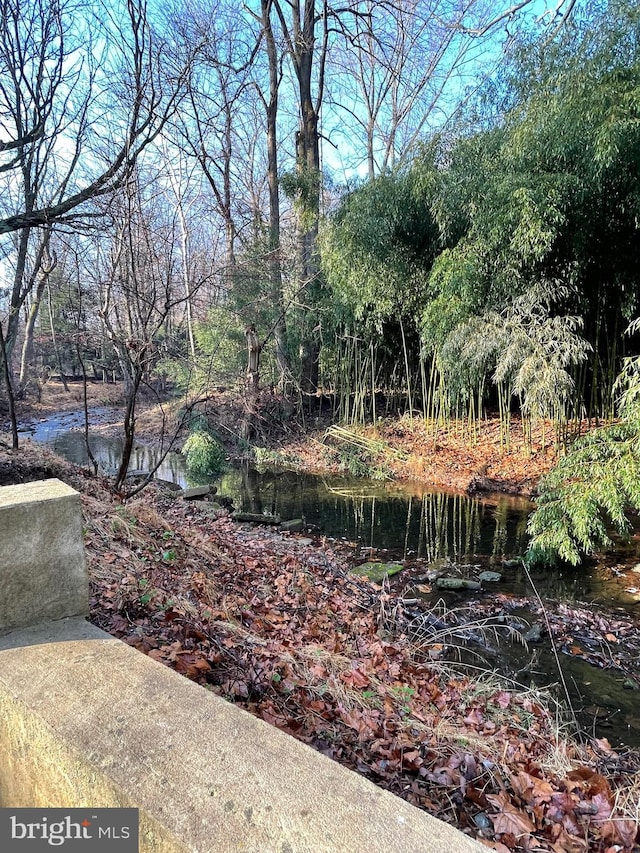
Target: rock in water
column 458, row 583
column 377, row 571
column 489, row 577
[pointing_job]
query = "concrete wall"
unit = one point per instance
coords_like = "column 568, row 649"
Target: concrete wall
column 87, row 721
column 42, row 566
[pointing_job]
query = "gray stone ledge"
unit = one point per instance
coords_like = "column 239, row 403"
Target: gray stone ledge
column 42, row 565
column 85, row 720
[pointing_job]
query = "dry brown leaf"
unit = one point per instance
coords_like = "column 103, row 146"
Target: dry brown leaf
column 509, row 820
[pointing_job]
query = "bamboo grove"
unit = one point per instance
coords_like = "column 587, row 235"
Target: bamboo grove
column 500, row 268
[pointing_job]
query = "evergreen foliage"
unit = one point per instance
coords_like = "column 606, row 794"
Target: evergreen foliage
column 204, row 454
column 507, row 255
column 378, row 248
column 595, row 486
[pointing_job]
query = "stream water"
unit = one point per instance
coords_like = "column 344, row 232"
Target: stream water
column 421, row 528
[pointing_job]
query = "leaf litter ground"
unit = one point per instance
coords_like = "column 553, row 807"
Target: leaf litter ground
column 282, row 629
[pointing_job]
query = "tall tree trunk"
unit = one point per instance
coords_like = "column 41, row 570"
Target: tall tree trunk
column 308, row 171
column 10, row 397
column 85, row 406
column 184, row 243
column 54, row 340
column 275, row 271
column 308, row 166
column 18, row 293
column 47, row 265
column 27, row 344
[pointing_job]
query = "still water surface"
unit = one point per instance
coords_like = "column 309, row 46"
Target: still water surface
column 408, row 521
column 399, row 521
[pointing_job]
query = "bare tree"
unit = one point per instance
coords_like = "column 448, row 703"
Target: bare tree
column 53, row 102
column 405, row 68
column 47, row 264
column 213, row 126
column 81, row 97
column 141, row 286
column 305, row 33
column 231, row 108
column 554, row 17
column 397, row 64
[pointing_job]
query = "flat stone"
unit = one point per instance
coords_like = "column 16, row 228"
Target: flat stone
column 295, row 525
column 489, row 577
column 458, row 583
column 195, row 493
column 377, row 571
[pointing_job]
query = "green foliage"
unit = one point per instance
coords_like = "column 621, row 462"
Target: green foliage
column 543, row 202
column 591, row 489
column 550, row 194
column 514, row 223
column 377, row 249
column 303, row 188
column 428, row 269
column 265, row 459
column 376, row 253
column 220, row 354
column 536, row 352
column 524, row 348
column 204, row 454
column 145, row 592
column 595, row 486
column 221, row 346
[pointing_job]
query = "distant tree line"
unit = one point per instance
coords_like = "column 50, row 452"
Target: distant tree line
column 190, row 157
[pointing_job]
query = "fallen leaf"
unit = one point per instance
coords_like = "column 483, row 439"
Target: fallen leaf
column 567, row 843
column 510, row 819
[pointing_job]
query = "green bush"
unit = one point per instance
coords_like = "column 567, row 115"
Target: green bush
column 590, row 492
column 595, row 488
column 203, row 453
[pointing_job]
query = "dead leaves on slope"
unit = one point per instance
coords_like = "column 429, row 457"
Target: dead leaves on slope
column 287, row 633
